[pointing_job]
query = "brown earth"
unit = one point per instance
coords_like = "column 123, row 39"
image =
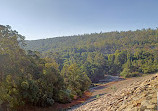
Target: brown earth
column 134, row 94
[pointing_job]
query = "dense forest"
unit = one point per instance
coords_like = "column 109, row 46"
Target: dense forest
column 28, row 79
column 125, row 53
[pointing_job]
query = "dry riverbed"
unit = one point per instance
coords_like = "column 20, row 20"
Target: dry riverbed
column 119, row 95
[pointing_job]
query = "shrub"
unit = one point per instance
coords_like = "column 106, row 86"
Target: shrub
column 125, row 72
column 134, row 74
column 64, row 96
column 10, row 94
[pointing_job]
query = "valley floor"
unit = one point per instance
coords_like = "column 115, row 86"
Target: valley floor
column 134, row 94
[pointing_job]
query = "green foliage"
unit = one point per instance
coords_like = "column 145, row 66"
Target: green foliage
column 125, row 72
column 97, row 96
column 28, row 79
column 104, row 53
column 76, row 80
column 10, row 93
column 65, row 96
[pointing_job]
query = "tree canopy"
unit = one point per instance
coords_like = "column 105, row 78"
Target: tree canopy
column 98, row 54
column 26, row 78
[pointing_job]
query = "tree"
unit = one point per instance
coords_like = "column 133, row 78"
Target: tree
column 76, row 81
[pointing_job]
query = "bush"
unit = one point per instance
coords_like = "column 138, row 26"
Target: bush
column 130, row 74
column 125, row 72
column 134, row 74
column 64, row 96
column 10, row 94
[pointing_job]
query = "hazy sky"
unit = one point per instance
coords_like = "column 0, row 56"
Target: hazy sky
column 38, row 19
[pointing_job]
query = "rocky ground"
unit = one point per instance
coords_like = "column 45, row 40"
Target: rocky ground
column 135, row 94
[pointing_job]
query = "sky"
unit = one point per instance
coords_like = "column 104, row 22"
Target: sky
column 40, row 19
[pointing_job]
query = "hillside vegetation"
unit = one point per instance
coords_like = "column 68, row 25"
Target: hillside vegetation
column 27, row 79
column 125, row 53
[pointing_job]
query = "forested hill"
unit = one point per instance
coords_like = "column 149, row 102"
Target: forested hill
column 126, row 53
column 79, row 43
column 102, row 42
